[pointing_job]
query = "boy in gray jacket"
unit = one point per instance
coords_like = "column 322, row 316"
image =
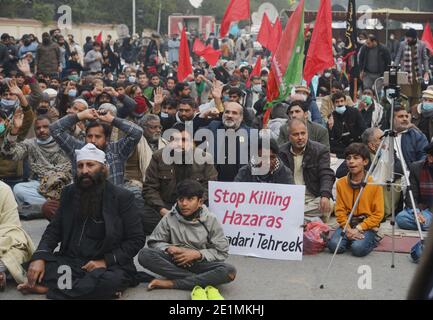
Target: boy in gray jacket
column 188, row 246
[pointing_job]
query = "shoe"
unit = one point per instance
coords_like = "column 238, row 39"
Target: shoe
column 198, row 293
column 213, row 293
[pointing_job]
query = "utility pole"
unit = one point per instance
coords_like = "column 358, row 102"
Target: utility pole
column 159, row 16
column 133, row 17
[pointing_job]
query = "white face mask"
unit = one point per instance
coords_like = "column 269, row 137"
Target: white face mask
column 257, row 88
column 164, row 115
column 327, row 74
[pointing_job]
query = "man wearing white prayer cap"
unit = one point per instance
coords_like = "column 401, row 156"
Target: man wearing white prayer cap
column 100, row 231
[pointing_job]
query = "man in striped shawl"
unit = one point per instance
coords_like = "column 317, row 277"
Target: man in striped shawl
column 413, row 59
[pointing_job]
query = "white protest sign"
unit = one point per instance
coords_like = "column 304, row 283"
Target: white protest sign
column 260, row 219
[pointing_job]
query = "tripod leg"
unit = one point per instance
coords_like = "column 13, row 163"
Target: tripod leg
column 411, row 197
column 393, row 226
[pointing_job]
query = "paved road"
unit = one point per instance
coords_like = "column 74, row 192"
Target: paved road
column 272, row 279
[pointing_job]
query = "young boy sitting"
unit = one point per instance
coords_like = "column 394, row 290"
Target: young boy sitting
column 188, row 245
column 360, row 235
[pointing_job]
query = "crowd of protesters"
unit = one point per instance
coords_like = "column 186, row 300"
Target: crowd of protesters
column 81, row 144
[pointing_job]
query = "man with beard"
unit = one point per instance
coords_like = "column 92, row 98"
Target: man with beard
column 182, row 90
column 410, row 141
column 150, row 142
column 412, row 56
column 97, row 226
column 48, row 60
column 50, row 167
column 230, row 154
column 169, row 166
column 98, row 132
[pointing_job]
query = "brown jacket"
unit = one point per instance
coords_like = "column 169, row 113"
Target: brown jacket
column 159, row 190
column 48, row 58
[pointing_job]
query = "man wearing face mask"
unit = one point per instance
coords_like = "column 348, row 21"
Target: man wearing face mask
column 48, row 59
column 28, row 46
column 371, row 111
column 11, row 172
column 412, row 56
column 423, row 116
column 328, row 105
column 327, row 79
column 345, row 125
column 46, row 160
column 45, row 109
column 255, row 93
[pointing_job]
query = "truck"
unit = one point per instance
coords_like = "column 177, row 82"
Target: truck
column 199, row 25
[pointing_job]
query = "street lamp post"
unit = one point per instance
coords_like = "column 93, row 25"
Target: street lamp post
column 133, row 17
column 159, row 16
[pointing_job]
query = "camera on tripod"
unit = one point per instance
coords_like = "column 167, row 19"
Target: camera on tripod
column 393, row 79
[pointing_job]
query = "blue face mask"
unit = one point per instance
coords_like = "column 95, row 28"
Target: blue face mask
column 225, row 98
column 72, row 93
column 2, row 128
column 8, row 103
column 340, row 109
column 427, row 106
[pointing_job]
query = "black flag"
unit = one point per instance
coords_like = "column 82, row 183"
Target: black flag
column 351, row 44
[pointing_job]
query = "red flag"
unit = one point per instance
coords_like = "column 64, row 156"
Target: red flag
column 256, row 71
column 427, row 37
column 185, row 67
column 208, row 53
column 265, row 31
column 275, row 36
column 99, row 38
column 272, row 88
column 198, row 46
column 320, row 56
column 236, row 10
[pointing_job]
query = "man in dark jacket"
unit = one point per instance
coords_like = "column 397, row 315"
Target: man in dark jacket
column 48, row 60
column 345, row 125
column 410, row 141
column 230, row 154
column 277, row 172
column 374, row 60
column 162, row 175
column 421, row 179
column 99, row 233
column 310, row 163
